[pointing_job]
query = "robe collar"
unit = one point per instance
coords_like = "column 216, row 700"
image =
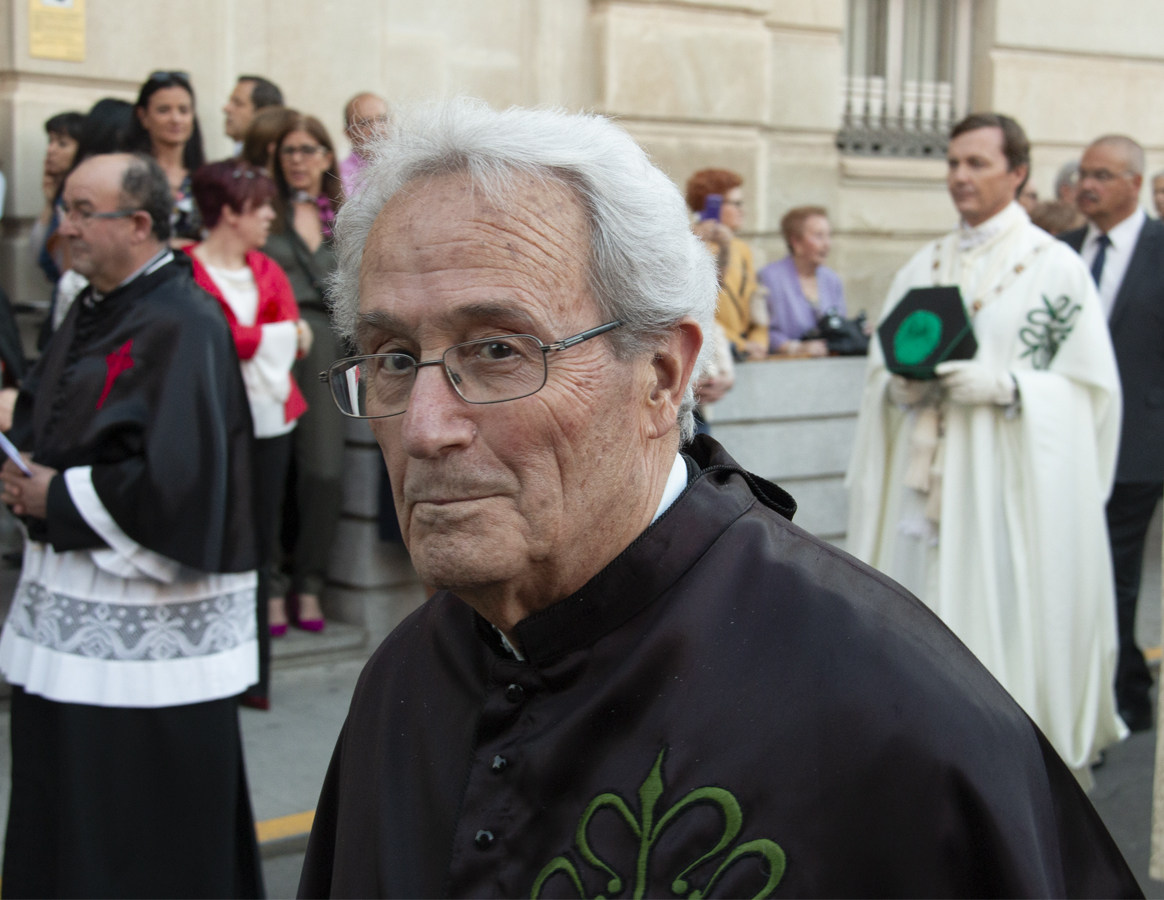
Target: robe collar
column 972, row 237
column 718, row 492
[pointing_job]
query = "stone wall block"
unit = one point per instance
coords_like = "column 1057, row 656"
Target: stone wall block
column 359, row 433
column 362, row 467
column 822, row 506
column 792, row 388
column 820, row 14
column 790, row 449
column 359, row 559
column 811, row 99
column 699, row 65
column 377, row 610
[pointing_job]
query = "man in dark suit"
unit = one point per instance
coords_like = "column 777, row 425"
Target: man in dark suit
column 1125, row 251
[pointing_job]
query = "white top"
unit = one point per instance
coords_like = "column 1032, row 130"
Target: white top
column 124, row 626
column 239, row 290
column 1123, row 239
column 267, row 374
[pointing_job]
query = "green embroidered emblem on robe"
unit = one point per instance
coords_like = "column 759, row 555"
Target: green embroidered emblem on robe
column 647, row 828
column 1048, row 328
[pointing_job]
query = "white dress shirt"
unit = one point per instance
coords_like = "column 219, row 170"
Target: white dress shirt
column 1123, row 239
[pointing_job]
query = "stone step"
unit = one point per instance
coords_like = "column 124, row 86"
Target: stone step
column 339, row 641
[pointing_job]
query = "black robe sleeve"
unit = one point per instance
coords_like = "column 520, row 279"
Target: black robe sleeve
column 145, row 388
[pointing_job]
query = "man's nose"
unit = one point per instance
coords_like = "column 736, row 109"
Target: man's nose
column 437, row 419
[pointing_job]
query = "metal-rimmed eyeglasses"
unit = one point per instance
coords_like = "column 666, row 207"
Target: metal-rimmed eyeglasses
column 71, row 214
column 487, row 370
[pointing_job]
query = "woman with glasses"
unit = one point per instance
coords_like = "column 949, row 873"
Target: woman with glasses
column 166, row 127
column 309, row 195
column 234, row 200
column 741, row 310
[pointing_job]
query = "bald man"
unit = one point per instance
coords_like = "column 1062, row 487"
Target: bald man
column 366, row 116
column 1125, row 251
column 132, row 628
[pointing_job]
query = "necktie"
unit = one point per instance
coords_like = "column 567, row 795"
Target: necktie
column 1100, row 257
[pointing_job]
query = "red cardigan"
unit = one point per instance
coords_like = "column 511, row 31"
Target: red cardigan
column 276, row 304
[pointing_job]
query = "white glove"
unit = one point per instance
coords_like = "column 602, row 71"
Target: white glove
column 970, row 383
column 909, row 392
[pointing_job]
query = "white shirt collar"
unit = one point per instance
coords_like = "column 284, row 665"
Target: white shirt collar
column 676, row 484
column 971, row 236
column 1122, row 236
column 155, row 262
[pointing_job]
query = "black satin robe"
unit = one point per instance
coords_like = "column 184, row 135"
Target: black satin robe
column 731, row 708
column 145, row 387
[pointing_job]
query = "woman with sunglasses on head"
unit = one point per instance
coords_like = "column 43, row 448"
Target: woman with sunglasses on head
column 166, row 127
column 234, row 199
column 309, row 196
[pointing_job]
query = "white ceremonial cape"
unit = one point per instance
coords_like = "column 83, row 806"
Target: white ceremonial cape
column 1017, row 562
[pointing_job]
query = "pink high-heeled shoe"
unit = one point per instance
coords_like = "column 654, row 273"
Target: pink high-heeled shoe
column 315, row 625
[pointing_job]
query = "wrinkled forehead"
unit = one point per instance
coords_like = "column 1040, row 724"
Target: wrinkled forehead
column 446, row 240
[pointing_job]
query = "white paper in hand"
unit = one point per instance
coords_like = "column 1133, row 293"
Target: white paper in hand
column 13, row 454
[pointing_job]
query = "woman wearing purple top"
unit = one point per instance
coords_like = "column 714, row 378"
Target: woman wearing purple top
column 800, row 288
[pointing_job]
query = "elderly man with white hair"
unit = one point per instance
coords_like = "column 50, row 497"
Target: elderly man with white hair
column 637, row 676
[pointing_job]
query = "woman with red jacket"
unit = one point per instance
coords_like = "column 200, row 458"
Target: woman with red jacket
column 234, row 199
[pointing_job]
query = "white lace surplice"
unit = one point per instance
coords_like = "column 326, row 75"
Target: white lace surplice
column 125, row 626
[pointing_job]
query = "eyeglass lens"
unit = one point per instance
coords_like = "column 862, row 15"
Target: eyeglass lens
column 303, row 149
column 491, row 370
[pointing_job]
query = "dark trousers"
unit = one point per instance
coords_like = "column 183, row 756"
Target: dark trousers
column 316, row 488
column 1129, row 512
column 272, row 458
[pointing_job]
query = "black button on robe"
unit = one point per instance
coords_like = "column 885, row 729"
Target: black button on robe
column 731, row 708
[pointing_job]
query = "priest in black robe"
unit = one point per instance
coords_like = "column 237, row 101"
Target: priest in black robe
column 638, row 677
column 132, row 629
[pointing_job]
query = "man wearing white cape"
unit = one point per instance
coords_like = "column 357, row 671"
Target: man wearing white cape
column 983, row 491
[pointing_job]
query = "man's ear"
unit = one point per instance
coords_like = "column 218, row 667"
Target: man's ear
column 671, row 369
column 143, row 226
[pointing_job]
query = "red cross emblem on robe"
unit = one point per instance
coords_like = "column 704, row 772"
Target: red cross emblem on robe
column 118, row 361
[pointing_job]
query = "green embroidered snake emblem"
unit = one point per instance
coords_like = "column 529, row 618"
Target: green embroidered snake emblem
column 648, row 830
column 1048, row 329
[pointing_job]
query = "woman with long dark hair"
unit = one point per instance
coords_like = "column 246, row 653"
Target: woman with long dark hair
column 166, row 127
column 310, row 194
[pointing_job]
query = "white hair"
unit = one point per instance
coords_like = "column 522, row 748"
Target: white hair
column 646, row 268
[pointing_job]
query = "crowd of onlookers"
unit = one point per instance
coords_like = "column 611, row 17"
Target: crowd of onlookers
column 256, row 229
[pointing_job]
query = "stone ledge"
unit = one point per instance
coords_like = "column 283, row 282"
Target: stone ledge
column 376, row 611
column 360, row 559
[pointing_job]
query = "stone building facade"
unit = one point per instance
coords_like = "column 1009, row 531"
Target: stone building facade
column 833, row 102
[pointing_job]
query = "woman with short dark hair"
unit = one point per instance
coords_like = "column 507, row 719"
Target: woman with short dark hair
column 310, row 194
column 234, row 199
column 166, row 127
column 800, row 287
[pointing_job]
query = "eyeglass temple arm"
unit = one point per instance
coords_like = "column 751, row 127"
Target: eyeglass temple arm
column 583, row 336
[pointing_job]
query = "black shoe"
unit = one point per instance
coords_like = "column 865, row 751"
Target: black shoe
column 1137, row 717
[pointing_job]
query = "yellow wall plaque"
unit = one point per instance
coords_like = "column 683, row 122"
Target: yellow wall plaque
column 56, row 29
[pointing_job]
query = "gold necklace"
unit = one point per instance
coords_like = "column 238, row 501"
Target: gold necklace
column 1008, row 278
